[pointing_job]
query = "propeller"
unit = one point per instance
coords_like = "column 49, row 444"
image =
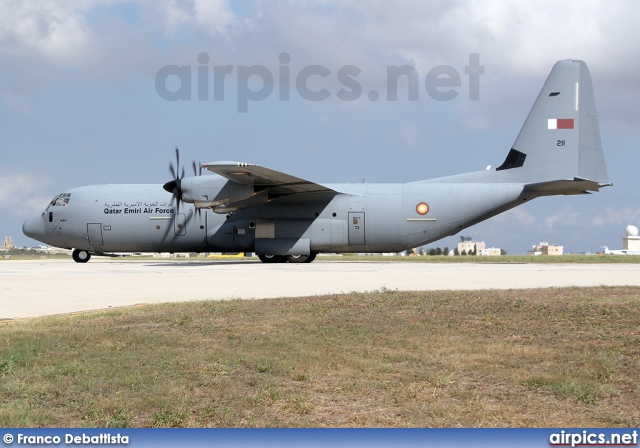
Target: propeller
column 174, row 186
column 199, row 171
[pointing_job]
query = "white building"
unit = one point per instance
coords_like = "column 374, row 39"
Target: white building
column 631, row 240
column 468, row 246
column 630, row 243
column 544, row 248
column 490, row 251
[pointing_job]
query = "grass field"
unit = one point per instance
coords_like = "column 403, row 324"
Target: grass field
column 486, row 259
column 545, row 357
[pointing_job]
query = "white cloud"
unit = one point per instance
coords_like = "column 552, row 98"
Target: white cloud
column 65, row 33
column 98, row 42
column 523, row 37
column 214, row 16
column 520, row 215
column 517, row 43
column 623, row 216
column 43, row 42
column 523, row 217
column 53, row 30
column 567, row 217
column 22, row 194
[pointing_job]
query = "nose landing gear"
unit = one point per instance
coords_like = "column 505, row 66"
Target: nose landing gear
column 81, row 256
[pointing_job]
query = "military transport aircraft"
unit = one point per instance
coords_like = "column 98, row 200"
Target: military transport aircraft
column 282, row 218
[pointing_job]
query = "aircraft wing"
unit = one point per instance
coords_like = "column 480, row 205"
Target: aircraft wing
column 261, row 178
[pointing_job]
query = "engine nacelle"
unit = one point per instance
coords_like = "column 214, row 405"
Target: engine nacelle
column 213, row 191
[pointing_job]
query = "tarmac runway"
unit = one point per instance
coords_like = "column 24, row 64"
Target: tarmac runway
column 48, row 287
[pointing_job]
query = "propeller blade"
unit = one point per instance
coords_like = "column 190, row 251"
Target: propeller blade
column 175, row 188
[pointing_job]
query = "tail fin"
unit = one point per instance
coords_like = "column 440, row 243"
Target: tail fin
column 560, row 140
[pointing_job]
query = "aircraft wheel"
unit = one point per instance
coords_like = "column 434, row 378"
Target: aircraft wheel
column 272, row 258
column 301, row 258
column 81, row 256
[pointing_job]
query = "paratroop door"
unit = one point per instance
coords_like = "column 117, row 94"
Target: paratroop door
column 356, row 228
column 94, row 230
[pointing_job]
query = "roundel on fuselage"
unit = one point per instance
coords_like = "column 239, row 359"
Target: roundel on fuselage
column 422, row 208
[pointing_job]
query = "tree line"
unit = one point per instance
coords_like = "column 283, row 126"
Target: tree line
column 445, row 251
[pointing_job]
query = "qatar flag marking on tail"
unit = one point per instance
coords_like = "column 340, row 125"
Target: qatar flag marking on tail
column 560, row 123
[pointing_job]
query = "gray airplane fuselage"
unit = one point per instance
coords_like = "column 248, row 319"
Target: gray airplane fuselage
column 368, row 218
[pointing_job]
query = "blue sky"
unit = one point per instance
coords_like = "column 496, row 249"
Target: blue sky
column 78, row 103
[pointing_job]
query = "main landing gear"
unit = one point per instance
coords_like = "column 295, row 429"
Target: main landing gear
column 287, row 258
column 81, row 256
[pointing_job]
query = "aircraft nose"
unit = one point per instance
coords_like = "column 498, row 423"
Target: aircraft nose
column 34, row 228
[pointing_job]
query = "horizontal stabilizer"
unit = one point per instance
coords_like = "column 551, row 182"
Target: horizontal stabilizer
column 565, row 186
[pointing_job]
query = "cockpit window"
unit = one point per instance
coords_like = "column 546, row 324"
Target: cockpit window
column 60, row 200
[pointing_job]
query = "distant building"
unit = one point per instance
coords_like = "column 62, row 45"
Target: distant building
column 8, row 243
column 544, row 248
column 630, row 243
column 467, row 245
column 631, row 240
column 490, row 251
column 52, row 250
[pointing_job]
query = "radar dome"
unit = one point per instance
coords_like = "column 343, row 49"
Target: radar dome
column 631, row 230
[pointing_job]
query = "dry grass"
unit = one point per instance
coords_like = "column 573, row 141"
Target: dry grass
column 546, row 357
